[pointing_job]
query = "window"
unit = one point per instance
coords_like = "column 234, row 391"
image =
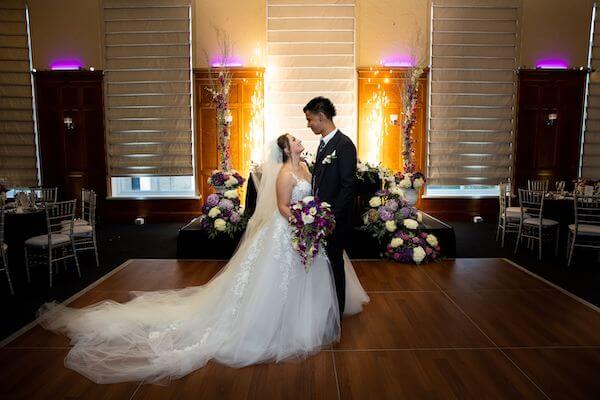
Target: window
column 149, row 97
column 153, row 186
column 472, row 96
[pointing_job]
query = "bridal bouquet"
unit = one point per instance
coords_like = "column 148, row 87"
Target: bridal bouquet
column 411, row 246
column 222, row 214
column 229, row 179
column 311, row 221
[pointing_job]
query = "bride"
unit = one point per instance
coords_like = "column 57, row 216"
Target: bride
column 262, row 306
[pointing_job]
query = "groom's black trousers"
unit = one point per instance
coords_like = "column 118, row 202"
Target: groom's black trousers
column 335, row 251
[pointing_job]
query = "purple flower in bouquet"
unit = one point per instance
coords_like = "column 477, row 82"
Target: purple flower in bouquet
column 235, row 217
column 226, row 204
column 383, row 192
column 404, row 236
column 218, row 179
column 392, row 204
column 406, row 212
column 212, row 200
column 405, row 255
column 385, row 214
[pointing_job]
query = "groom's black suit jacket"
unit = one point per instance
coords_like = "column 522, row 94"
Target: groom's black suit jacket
column 335, row 182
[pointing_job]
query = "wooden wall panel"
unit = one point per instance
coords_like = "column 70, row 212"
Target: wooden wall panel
column 244, row 82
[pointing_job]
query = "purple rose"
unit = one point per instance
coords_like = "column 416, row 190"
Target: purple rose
column 234, row 217
column 424, row 235
column 404, row 236
column 428, row 251
column 226, row 204
column 212, row 200
column 416, row 240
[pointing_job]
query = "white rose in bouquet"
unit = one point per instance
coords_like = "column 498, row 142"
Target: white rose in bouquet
column 410, row 223
column 231, row 182
column 308, row 219
column 418, row 183
column 375, row 201
column 231, row 194
column 220, row 224
column 419, row 216
column 405, row 183
column 418, row 254
column 214, row 212
column 362, row 167
column 325, row 204
column 390, row 226
column 396, row 242
column 308, row 199
column 312, row 211
column 432, row 240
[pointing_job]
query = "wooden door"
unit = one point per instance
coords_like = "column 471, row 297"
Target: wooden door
column 246, row 82
column 549, row 125
column 73, row 157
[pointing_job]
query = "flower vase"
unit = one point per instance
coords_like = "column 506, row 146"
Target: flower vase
column 410, row 195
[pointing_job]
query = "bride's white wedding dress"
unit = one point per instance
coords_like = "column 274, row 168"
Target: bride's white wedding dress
column 262, row 306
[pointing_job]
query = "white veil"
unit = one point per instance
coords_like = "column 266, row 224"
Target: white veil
column 266, row 193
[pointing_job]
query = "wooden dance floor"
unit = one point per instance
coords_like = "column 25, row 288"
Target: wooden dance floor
column 459, row 329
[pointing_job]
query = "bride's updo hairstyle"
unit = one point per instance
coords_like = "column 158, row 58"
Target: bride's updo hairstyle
column 284, row 143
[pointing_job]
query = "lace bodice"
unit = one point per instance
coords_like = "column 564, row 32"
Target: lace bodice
column 302, row 189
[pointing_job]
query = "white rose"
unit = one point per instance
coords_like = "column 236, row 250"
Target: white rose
column 418, row 254
column 390, row 226
column 405, row 183
column 296, row 206
column 362, row 167
column 312, row 211
column 308, row 199
column 410, row 223
column 375, row 201
column 325, row 204
column 432, row 240
column 231, row 194
column 419, row 216
column 396, row 190
column 231, row 182
column 418, row 183
column 220, row 224
column 214, row 212
column 308, row 219
column 396, row 242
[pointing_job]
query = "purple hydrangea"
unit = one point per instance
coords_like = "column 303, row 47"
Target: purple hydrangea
column 234, row 217
column 212, row 200
column 392, row 205
column 405, row 212
column 226, row 204
column 385, row 214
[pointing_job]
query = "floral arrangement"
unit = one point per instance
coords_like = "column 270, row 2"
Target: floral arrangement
column 411, row 246
column 230, row 179
column 409, row 180
column 410, row 95
column 389, row 212
column 311, row 221
column 580, row 185
column 366, row 171
column 220, row 97
column 221, row 214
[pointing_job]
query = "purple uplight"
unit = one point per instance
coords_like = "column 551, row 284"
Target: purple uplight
column 66, row 64
column 398, row 61
column 229, row 62
column 552, row 64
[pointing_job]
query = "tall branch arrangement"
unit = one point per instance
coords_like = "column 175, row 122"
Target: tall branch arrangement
column 410, row 96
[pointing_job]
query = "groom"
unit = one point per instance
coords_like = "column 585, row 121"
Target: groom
column 334, row 181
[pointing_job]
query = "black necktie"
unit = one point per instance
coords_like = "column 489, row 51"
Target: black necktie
column 321, row 145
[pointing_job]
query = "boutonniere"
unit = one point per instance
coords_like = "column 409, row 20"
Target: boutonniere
column 329, row 158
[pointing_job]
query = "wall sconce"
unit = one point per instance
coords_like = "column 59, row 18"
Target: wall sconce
column 68, row 121
column 551, row 119
column 394, row 119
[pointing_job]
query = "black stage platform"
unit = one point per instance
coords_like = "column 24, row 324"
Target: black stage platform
column 194, row 243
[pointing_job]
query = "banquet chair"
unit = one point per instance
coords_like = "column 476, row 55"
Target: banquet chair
column 84, row 228
column 3, row 249
column 57, row 244
column 537, row 185
column 45, row 195
column 533, row 225
column 587, row 224
column 508, row 217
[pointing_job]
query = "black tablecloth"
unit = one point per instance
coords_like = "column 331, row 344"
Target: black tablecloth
column 20, row 227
